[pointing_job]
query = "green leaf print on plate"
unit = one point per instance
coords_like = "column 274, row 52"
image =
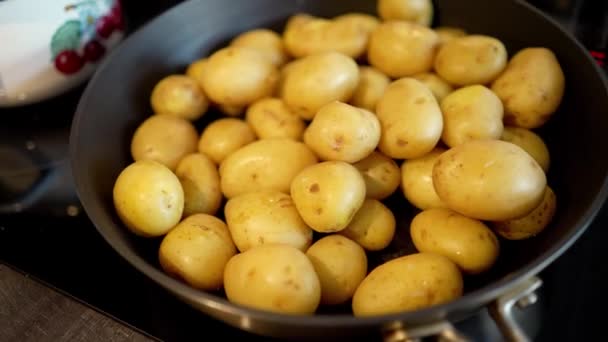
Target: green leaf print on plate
column 67, row 37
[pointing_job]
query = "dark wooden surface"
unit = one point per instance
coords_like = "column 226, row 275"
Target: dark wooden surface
column 31, row 311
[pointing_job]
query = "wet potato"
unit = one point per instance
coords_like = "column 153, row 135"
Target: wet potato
column 381, row 175
column 180, row 96
column 224, row 136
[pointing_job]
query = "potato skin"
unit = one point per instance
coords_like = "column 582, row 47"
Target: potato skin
column 381, row 175
column 533, row 223
column 341, row 265
column 489, row 180
column 469, row 243
column 223, row 136
column 267, row 164
column 410, row 118
column 148, row 198
column 437, row 85
column 343, row 132
column 530, row 142
column 328, row 195
column 200, row 181
column 179, row 95
column 471, row 113
column 271, row 118
column 373, row 226
column 165, row 139
column 274, row 277
column 400, row 48
column 531, row 87
column 417, row 180
column 469, row 60
column 408, row 283
column 258, row 218
column 269, row 43
column 417, row 11
column 372, row 84
column 197, row 251
column 448, row 33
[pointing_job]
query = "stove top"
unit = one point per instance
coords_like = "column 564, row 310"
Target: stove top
column 48, row 237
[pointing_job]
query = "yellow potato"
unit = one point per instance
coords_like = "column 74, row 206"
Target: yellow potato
column 489, row 180
column 231, row 110
column 340, row 131
column 471, row 113
column 438, row 86
column 148, row 198
column 347, row 34
column 531, row 87
column 381, row 175
column 373, row 226
column 223, row 136
column 533, row 223
column 264, row 165
column 318, row 79
column 285, row 70
column 271, row 118
column 328, row 195
column 469, row 243
column 197, row 251
column 258, row 218
column 297, row 19
column 267, row 42
column 372, row 84
column 165, row 139
column 417, row 11
column 195, row 69
column 237, row 76
column 448, row 33
column 408, row 283
column 341, row 265
column 530, row 142
column 201, row 184
column 274, row 277
column 468, row 60
column 410, row 118
column 180, row 96
column 400, row 48
column 417, row 180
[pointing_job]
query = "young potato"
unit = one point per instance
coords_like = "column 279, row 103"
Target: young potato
column 347, row 34
column 531, row 87
column 417, row 180
column 201, row 184
column 223, row 136
column 410, row 118
column 340, row 131
column 273, row 277
column 318, row 79
column 533, row 223
column 267, row 42
column 400, row 48
column 373, row 226
column 231, row 110
column 180, row 96
column 381, row 175
column 285, row 70
column 408, row 283
column 448, row 33
column 468, row 60
column 164, row 138
column 469, row 243
column 271, row 118
column 489, row 180
column 237, row 76
column 197, row 251
column 438, row 86
column 195, row 69
column 471, row 113
column 340, row 264
column 148, row 198
column 530, row 142
column 417, row 11
column 372, row 84
column 264, row 165
column 328, row 195
column 258, row 218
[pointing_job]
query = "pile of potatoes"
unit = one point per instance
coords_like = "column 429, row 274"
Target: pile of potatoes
column 279, row 200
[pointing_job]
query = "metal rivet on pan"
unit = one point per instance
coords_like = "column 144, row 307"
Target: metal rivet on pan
column 527, row 300
column 72, row 210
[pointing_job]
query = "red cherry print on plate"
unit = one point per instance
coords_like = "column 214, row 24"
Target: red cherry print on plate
column 93, row 51
column 68, row 62
column 104, row 26
column 116, row 16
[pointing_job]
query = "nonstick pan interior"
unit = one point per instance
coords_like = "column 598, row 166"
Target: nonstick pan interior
column 117, row 100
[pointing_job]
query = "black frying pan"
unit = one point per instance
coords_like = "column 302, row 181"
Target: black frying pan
column 117, row 100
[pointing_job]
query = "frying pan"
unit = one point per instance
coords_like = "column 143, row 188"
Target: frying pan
column 117, row 100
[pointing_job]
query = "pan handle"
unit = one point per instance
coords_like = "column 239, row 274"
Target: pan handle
column 501, row 310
